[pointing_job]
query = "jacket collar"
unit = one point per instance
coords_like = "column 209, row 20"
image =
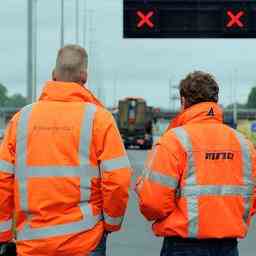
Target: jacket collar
column 206, row 112
column 67, row 92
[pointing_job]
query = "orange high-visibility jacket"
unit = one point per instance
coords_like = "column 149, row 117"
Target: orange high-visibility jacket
column 200, row 178
column 64, row 173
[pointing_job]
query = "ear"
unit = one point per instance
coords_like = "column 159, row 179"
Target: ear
column 54, row 78
column 83, row 77
column 182, row 103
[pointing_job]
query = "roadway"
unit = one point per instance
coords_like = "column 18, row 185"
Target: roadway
column 136, row 237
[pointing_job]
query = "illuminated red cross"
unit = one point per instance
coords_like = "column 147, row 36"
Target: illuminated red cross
column 235, row 19
column 145, row 19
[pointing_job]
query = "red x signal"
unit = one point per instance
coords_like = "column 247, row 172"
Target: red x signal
column 145, row 19
column 235, row 19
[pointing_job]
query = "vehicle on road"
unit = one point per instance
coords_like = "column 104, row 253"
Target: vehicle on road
column 135, row 122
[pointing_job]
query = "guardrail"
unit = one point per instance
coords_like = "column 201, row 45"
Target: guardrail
column 249, row 114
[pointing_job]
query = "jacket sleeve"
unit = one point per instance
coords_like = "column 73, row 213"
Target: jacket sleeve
column 116, row 174
column 156, row 187
column 7, row 161
column 253, row 157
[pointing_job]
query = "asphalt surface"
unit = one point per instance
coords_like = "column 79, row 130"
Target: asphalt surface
column 136, row 237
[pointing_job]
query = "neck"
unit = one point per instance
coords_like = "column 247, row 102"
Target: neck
column 65, row 81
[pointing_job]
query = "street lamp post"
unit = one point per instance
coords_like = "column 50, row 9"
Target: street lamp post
column 31, row 50
column 77, row 21
column 34, row 50
column 235, row 98
column 84, row 23
column 62, row 25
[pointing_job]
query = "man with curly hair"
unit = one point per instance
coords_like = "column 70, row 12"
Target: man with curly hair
column 199, row 183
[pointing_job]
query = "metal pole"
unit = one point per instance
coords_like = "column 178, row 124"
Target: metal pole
column 170, row 94
column 91, row 46
column 62, row 31
column 34, row 93
column 84, row 24
column 235, row 102
column 29, row 51
column 115, row 90
column 77, row 21
column 234, row 105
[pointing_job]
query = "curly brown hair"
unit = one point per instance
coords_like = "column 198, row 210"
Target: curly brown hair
column 199, row 87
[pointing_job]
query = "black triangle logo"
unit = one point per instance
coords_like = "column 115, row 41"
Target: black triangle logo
column 211, row 112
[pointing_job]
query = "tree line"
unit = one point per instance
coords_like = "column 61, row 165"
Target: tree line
column 13, row 101
column 18, row 101
column 251, row 101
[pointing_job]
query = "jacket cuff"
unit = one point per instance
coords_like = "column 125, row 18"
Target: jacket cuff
column 112, row 224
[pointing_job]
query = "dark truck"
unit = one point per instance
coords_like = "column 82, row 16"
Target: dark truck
column 135, row 122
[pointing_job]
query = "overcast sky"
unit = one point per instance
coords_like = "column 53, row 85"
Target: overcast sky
column 139, row 67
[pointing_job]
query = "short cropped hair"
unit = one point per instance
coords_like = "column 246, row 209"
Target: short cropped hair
column 71, row 60
column 199, row 87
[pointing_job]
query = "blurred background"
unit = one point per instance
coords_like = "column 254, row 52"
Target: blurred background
column 32, row 32
column 137, row 79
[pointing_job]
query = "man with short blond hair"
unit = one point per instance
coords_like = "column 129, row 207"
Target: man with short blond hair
column 58, row 163
column 71, row 62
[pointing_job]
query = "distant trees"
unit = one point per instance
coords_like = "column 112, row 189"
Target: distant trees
column 251, row 103
column 239, row 106
column 13, row 101
column 3, row 96
column 16, row 101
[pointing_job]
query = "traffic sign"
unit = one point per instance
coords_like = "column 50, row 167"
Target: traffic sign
column 189, row 19
column 145, row 19
column 235, row 19
column 253, row 127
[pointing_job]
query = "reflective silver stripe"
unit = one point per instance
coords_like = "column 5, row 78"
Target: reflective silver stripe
column 21, row 168
column 85, row 171
column 84, row 152
column 6, row 167
column 58, row 171
column 206, row 190
column 184, row 139
column 247, row 172
column 115, row 164
column 162, row 179
column 192, row 191
column 86, row 134
column 28, row 233
column 193, row 212
column 6, row 226
column 146, row 171
column 247, row 162
column 115, row 221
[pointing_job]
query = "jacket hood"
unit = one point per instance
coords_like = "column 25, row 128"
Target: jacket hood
column 206, row 112
column 68, row 92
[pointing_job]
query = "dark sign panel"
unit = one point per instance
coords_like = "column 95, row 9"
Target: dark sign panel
column 189, row 18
